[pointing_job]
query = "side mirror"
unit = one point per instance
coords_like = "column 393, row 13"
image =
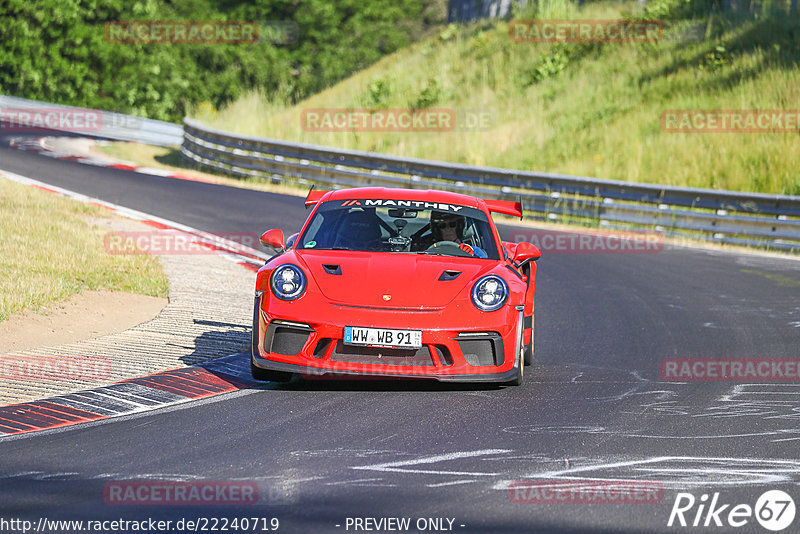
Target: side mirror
column 273, row 239
column 526, row 252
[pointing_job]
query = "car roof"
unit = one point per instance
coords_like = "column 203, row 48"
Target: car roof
column 426, row 195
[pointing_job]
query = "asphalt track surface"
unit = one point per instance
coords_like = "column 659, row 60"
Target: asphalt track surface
column 593, row 406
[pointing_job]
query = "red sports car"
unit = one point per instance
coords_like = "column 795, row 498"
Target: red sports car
column 395, row 282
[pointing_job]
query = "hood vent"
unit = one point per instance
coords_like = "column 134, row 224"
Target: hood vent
column 332, row 269
column 449, row 276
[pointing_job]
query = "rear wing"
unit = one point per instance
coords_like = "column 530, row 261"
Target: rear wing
column 314, row 197
column 506, row 207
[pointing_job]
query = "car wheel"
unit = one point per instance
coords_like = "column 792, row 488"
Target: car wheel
column 267, row 374
column 529, row 346
column 520, row 367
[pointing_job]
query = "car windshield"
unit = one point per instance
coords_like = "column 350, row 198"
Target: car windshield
column 350, row 225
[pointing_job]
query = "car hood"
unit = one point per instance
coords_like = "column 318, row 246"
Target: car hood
column 391, row 280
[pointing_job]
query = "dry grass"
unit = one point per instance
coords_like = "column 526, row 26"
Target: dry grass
column 49, row 252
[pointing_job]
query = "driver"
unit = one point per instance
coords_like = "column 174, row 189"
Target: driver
column 450, row 227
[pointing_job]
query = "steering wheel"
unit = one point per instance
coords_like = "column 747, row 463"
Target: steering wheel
column 446, row 245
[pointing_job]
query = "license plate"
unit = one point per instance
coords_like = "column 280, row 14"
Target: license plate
column 382, row 337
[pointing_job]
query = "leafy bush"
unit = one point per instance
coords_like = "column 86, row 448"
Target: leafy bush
column 430, row 95
column 57, row 51
column 555, row 59
column 550, row 63
column 715, row 60
column 378, row 91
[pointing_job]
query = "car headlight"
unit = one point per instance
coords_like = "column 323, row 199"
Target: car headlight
column 490, row 293
column 288, row 282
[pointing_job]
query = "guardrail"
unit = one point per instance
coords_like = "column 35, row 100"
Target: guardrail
column 115, row 126
column 721, row 216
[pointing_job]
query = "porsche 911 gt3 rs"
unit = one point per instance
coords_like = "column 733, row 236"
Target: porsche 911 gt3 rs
column 399, row 283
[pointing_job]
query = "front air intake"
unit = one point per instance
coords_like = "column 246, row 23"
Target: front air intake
column 479, row 349
column 286, row 339
column 382, row 356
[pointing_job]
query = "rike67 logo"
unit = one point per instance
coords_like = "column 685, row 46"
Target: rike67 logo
column 774, row 510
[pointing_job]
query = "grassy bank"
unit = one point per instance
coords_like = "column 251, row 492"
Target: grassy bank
column 584, row 109
column 52, row 248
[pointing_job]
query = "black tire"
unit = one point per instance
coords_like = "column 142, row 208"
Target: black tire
column 520, row 367
column 269, row 375
column 529, row 347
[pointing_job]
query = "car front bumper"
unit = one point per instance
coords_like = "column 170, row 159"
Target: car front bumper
column 466, row 345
